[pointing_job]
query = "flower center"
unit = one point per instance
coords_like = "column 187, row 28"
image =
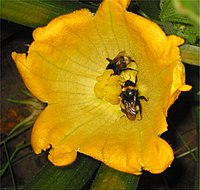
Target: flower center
column 109, row 85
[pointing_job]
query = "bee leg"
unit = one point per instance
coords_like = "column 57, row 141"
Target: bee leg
column 122, row 116
column 140, row 113
column 136, row 79
column 108, row 59
column 132, row 60
column 143, row 98
column 129, row 69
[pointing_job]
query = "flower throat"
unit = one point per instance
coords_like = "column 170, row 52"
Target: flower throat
column 117, row 85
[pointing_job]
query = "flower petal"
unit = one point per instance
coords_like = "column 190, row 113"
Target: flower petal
column 63, row 67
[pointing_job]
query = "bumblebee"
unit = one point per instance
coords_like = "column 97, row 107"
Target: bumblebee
column 119, row 63
column 130, row 103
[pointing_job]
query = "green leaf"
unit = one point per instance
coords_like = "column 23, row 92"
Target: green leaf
column 168, row 28
column 187, row 32
column 175, row 23
column 73, row 176
column 169, row 13
column 150, row 8
column 190, row 54
column 108, row 178
column 34, row 13
column 4, row 167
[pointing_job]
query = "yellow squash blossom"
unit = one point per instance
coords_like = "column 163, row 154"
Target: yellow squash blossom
column 66, row 68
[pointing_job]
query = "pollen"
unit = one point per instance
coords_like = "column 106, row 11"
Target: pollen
column 108, row 87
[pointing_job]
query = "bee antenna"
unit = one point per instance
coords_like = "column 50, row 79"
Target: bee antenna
column 136, row 78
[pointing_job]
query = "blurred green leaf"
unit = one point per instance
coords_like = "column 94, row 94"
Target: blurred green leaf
column 10, row 167
column 12, row 158
column 34, row 13
column 189, row 9
column 108, row 178
column 74, row 176
column 169, row 13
